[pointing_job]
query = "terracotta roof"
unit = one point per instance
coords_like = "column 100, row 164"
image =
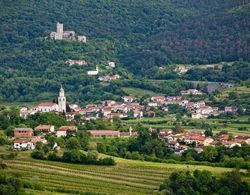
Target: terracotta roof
column 47, row 104
column 124, row 133
column 22, row 140
column 23, row 129
column 67, row 128
column 43, row 127
column 37, row 139
column 103, row 132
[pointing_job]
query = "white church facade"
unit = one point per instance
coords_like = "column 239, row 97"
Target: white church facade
column 51, row 106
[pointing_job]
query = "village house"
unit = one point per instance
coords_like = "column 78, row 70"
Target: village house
column 64, row 130
column 191, row 92
column 157, row 99
column 233, row 109
column 117, row 115
column 74, row 107
column 23, row 132
column 76, row 62
column 110, row 133
column 25, row 112
column 28, row 144
column 242, row 139
column 129, row 99
column 204, row 112
column 231, row 144
column 111, row 64
column 93, row 72
column 45, row 128
column 109, row 78
column 182, row 69
column 138, row 114
column 102, row 133
column 198, row 140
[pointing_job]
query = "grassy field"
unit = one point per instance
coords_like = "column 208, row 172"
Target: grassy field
column 239, row 90
column 138, row 92
column 127, row 177
column 167, row 123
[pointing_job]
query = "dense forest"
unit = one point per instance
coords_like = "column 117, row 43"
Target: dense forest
column 138, row 35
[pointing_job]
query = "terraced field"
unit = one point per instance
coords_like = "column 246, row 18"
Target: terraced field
column 127, row 177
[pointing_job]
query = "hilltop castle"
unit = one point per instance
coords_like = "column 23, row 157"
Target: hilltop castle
column 66, row 35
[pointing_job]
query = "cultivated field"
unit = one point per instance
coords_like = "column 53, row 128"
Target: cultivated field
column 232, row 126
column 127, row 177
column 139, row 92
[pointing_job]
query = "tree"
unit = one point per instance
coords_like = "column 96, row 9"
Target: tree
column 209, row 154
column 101, row 148
column 178, row 128
column 83, row 138
column 72, row 144
column 209, row 132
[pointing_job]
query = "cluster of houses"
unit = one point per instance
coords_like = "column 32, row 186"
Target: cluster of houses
column 180, row 142
column 128, row 108
column 24, row 138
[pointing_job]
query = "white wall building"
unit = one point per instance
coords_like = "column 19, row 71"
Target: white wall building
column 93, row 72
column 46, row 107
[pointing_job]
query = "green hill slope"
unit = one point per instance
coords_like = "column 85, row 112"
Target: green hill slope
column 139, row 35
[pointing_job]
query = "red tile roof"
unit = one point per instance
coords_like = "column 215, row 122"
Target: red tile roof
column 103, row 132
column 43, row 127
column 49, row 104
column 67, row 128
column 22, row 140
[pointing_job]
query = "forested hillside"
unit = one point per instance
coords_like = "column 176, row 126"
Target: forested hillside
column 139, row 35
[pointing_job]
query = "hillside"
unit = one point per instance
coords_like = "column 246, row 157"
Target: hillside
column 139, row 35
column 56, row 177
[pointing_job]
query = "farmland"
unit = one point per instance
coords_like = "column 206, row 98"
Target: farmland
column 196, row 124
column 139, row 92
column 127, row 177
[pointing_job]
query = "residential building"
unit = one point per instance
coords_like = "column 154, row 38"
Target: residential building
column 23, row 132
column 76, row 62
column 45, row 128
column 107, row 133
column 191, row 92
column 93, row 72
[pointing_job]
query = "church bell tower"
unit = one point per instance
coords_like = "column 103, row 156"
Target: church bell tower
column 61, row 101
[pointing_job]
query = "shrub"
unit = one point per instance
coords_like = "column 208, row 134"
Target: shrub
column 53, row 157
column 106, row 161
column 38, row 154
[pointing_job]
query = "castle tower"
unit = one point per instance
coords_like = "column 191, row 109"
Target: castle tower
column 59, row 27
column 59, row 30
column 61, row 101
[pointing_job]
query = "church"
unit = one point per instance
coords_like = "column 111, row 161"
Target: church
column 51, row 106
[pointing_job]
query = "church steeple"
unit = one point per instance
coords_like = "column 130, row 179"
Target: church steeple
column 61, row 101
column 61, row 93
